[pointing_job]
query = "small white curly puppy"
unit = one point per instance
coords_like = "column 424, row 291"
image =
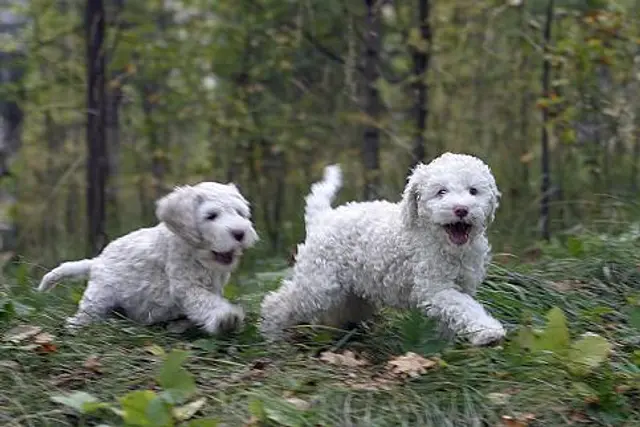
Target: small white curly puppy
column 429, row 251
column 174, row 270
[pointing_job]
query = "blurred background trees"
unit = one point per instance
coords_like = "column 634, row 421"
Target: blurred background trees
column 267, row 92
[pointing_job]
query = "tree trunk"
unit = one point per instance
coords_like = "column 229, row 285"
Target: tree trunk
column 525, row 101
column 545, row 162
column 11, row 118
column 97, row 153
column 157, row 149
column 371, row 139
column 113, row 141
column 421, row 55
column 636, row 154
column 114, row 98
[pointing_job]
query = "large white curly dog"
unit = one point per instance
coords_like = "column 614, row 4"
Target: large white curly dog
column 174, row 270
column 428, row 251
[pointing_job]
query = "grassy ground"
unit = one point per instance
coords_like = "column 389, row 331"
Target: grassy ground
column 595, row 282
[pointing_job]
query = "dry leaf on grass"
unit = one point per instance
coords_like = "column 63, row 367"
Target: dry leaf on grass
column 252, row 421
column 579, row 418
column 20, row 333
column 93, row 364
column 498, row 398
column 411, row 364
column 154, row 349
column 347, row 358
column 185, row 412
column 43, row 338
column 567, row 285
column 300, row 404
column 44, row 343
column 521, row 420
column 31, row 338
column 372, row 384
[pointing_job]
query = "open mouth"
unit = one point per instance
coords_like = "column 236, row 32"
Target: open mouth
column 458, row 232
column 224, row 258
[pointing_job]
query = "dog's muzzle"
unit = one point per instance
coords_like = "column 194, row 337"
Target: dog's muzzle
column 224, row 258
column 458, row 232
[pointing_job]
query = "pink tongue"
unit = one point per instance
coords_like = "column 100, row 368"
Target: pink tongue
column 459, row 238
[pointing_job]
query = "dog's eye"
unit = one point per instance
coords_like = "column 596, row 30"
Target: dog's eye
column 212, row 215
column 239, row 212
column 442, row 192
column 473, row 191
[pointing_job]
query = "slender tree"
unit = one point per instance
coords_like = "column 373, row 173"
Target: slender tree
column 97, row 153
column 545, row 161
column 372, row 105
column 421, row 55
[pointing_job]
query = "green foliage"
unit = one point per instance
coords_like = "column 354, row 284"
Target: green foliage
column 177, row 382
column 242, row 380
column 10, row 308
column 581, row 356
column 146, row 408
column 80, row 401
column 587, row 353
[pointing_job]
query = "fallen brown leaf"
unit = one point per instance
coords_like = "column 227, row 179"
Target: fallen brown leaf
column 43, row 338
column 185, row 412
column 498, row 398
column 347, row 358
column 154, row 349
column 567, row 285
column 252, row 422
column 47, row 348
column 93, row 364
column 521, row 420
column 411, row 364
column 372, row 384
column 21, row 333
column 579, row 418
column 300, row 404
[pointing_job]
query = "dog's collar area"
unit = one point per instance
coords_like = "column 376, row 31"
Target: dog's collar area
column 458, row 232
column 224, row 258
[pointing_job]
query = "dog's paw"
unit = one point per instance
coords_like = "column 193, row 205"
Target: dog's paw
column 228, row 319
column 488, row 335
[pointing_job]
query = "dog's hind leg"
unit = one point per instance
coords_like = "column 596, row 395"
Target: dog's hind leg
column 95, row 306
column 314, row 302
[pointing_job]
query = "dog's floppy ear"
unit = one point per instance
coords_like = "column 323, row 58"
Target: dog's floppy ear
column 178, row 211
column 495, row 201
column 409, row 204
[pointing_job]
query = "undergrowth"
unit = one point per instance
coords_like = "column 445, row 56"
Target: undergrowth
column 571, row 357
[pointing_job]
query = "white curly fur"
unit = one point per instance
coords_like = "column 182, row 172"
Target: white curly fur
column 174, row 270
column 361, row 256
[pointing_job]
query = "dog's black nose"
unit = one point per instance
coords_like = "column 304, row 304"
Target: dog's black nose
column 460, row 211
column 238, row 235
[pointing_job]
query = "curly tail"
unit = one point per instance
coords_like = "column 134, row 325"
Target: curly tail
column 74, row 269
column 323, row 193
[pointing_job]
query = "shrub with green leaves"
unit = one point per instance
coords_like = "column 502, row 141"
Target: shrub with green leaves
column 147, row 408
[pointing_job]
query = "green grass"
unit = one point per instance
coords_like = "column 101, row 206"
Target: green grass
column 242, row 377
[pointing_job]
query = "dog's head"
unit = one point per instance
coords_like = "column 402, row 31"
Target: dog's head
column 213, row 218
column 455, row 196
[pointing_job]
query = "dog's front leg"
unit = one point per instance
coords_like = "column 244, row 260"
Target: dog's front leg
column 214, row 313
column 461, row 314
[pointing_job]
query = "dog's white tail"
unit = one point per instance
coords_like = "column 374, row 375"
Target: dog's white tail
column 322, row 193
column 74, row 269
